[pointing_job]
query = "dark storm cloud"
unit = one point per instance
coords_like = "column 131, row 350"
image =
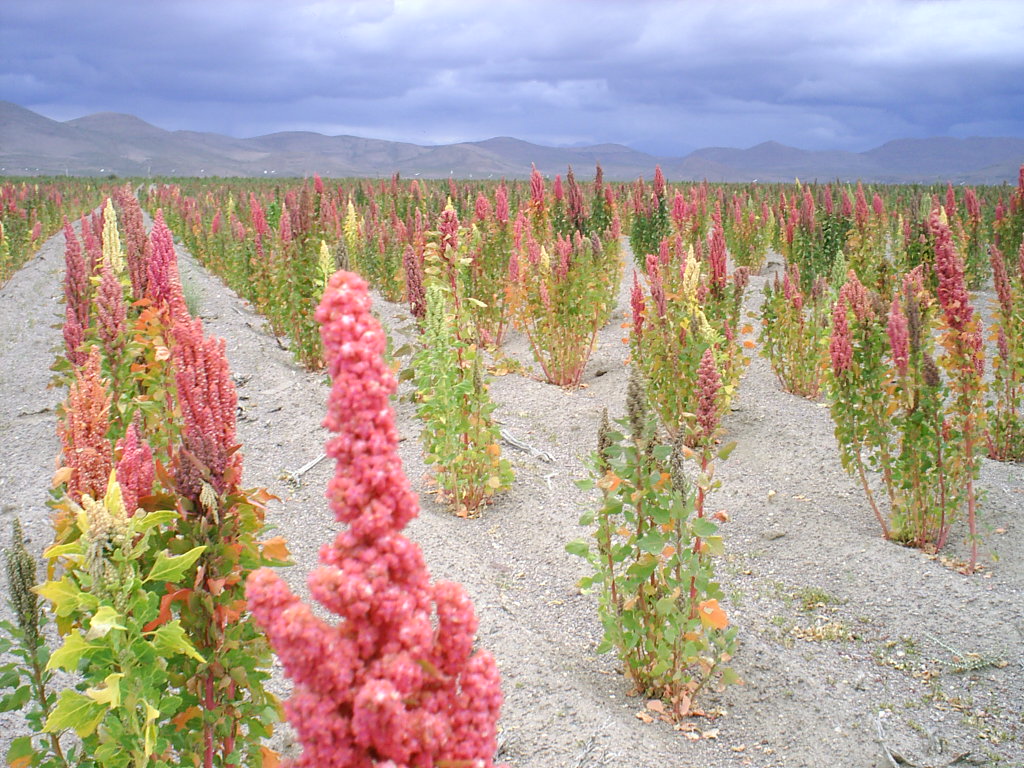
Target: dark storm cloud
column 660, row 76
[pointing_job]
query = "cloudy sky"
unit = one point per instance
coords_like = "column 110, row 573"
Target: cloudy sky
column 663, row 77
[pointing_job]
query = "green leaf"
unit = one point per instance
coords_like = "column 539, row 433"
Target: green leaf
column 68, row 655
column 579, row 547
column 75, row 711
column 652, row 541
column 15, row 701
column 20, row 748
column 104, row 620
column 725, row 450
column 170, row 639
column 173, row 567
column 153, row 519
column 702, row 527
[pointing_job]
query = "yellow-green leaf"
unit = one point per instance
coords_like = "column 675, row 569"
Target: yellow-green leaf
column 173, row 567
column 110, row 694
column 75, row 711
column 63, row 594
column 104, row 620
column 150, row 730
column 69, row 654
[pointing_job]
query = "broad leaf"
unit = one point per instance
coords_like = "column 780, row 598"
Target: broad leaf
column 68, row 655
column 170, row 639
column 173, row 567
column 75, row 711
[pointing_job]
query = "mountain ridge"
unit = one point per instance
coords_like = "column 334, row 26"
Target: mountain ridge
column 126, row 145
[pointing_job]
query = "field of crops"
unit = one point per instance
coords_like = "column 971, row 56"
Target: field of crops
column 685, row 366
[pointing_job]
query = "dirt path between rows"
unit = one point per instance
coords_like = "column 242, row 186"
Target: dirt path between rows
column 843, row 635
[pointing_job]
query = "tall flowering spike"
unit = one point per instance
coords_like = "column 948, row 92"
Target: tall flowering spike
column 659, row 183
column 163, row 285
column 840, row 347
column 899, row 337
column 388, row 684
column 878, row 206
column 972, row 205
column 857, row 297
column 950, row 199
column 76, row 277
column 208, row 404
column 708, row 383
column 717, row 256
column 414, row 283
column 536, row 190
column 861, row 213
column 1001, row 281
column 952, row 291
column 556, row 188
column 83, row 431
column 74, row 336
column 135, row 471
column 112, row 253
column 448, row 226
column 134, row 239
column 577, row 209
column 501, row 204
column 482, row 209
column 657, row 284
column 636, row 299
column 93, row 247
column 111, row 315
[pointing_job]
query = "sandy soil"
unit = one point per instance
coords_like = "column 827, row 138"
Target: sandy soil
column 844, row 636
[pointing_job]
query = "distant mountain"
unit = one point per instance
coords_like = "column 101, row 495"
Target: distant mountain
column 107, row 142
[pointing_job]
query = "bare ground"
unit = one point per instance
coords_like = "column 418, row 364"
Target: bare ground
column 854, row 651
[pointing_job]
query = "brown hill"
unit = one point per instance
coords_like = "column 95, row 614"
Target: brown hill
column 108, row 142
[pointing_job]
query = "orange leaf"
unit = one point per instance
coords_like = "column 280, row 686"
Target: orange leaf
column 181, row 718
column 275, row 549
column 270, row 758
column 21, row 762
column 712, row 614
column 609, row 482
column 668, row 551
column 61, row 476
column 748, row 328
column 749, row 344
column 165, row 608
column 494, row 450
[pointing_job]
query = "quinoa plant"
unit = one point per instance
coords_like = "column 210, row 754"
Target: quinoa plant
column 459, row 435
column 395, row 679
column 1006, row 406
column 28, row 679
column 563, row 296
column 794, row 332
column 652, row 553
column 684, row 312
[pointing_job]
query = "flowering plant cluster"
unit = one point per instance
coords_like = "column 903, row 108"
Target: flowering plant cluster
column 691, row 304
column 153, row 534
column 31, row 212
column 749, row 227
column 396, row 681
column 564, row 287
column 1006, row 406
column 895, row 413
